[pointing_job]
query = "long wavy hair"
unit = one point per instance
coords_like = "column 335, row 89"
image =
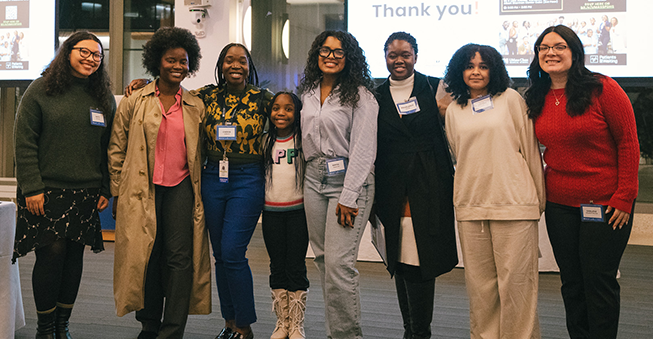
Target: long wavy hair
column 252, row 78
column 499, row 79
column 58, row 75
column 268, row 146
column 166, row 38
column 356, row 72
column 582, row 84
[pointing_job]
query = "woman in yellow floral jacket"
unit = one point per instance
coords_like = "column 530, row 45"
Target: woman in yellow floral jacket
column 233, row 182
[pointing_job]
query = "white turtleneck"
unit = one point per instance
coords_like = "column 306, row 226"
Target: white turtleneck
column 401, row 89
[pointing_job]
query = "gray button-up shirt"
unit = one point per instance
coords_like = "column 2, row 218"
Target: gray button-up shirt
column 333, row 130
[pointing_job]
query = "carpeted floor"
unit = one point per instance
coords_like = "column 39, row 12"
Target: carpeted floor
column 94, row 314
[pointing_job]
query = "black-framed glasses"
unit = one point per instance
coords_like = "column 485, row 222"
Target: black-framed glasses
column 85, row 53
column 557, row 48
column 338, row 53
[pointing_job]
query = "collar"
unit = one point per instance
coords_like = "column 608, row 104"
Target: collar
column 150, row 89
column 401, row 83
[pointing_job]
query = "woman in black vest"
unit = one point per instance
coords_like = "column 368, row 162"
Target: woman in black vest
column 414, row 197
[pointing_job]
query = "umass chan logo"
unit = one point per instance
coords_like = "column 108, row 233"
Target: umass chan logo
column 594, row 59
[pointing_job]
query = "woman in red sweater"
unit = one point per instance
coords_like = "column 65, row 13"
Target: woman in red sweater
column 587, row 124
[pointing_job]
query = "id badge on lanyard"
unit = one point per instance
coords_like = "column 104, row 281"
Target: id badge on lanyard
column 591, row 212
column 409, row 107
column 336, row 166
column 224, row 170
column 97, row 118
column 227, row 132
column 482, row 104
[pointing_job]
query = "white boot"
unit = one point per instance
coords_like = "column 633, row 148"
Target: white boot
column 297, row 310
column 280, row 308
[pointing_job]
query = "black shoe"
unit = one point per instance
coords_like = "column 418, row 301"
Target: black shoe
column 147, row 335
column 225, row 333
column 61, row 323
column 237, row 335
column 45, row 325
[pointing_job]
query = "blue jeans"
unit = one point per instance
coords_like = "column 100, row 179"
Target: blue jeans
column 232, row 210
column 336, row 247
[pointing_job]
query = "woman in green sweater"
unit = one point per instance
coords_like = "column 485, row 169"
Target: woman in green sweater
column 61, row 136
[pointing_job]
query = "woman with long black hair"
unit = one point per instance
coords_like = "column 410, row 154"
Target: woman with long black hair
column 61, row 135
column 587, row 124
column 339, row 140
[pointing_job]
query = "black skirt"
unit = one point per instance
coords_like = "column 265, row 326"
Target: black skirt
column 69, row 213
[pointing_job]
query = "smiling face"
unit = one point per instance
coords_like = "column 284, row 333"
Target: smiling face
column 400, row 59
column 174, row 66
column 330, row 66
column 84, row 67
column 235, row 68
column 283, row 114
column 477, row 76
column 555, row 63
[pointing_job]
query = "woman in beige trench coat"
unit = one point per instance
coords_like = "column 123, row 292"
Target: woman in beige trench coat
column 136, row 142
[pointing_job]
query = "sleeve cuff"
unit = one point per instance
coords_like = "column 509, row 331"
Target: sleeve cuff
column 348, row 198
column 115, row 187
column 626, row 206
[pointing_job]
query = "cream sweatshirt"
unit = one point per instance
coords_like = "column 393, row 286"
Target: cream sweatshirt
column 499, row 167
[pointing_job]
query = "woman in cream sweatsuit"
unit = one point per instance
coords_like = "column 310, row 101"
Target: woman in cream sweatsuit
column 498, row 194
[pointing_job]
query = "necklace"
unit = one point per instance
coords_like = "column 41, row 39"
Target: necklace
column 557, row 100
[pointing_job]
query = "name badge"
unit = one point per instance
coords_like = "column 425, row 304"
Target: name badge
column 336, row 166
column 593, row 213
column 97, row 118
column 224, row 171
column 409, row 107
column 226, row 132
column 482, row 104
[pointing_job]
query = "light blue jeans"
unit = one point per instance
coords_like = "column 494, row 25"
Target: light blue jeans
column 336, row 247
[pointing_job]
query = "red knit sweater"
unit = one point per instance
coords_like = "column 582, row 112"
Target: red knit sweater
column 594, row 156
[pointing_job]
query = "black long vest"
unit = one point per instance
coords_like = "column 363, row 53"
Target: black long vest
column 413, row 162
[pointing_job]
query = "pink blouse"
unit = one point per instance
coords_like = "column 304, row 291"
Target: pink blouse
column 170, row 158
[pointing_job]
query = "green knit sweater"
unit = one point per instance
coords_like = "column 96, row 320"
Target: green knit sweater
column 55, row 144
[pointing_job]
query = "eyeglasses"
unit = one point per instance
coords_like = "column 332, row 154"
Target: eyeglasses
column 557, row 48
column 338, row 53
column 85, row 53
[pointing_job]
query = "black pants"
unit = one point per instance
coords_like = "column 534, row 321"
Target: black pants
column 286, row 239
column 588, row 254
column 170, row 268
column 415, row 295
column 57, row 274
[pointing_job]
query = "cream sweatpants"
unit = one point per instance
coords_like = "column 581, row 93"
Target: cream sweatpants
column 501, row 275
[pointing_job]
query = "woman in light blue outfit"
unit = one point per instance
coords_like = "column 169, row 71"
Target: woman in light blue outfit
column 339, row 119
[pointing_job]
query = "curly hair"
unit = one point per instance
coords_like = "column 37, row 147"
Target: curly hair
column 582, row 84
column 166, row 38
column 59, row 74
column 401, row 36
column 300, row 162
column 356, row 72
column 252, row 78
column 499, row 79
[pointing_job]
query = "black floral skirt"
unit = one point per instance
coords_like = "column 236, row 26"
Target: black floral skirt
column 69, row 213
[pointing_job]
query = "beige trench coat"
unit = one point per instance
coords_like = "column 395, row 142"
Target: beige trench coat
column 131, row 166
